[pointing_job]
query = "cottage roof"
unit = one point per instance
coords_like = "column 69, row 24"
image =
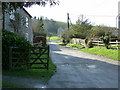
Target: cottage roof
column 27, row 12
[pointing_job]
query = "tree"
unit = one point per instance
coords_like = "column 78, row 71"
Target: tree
column 67, row 35
column 14, row 5
column 41, row 25
column 98, row 31
column 38, row 26
column 82, row 20
column 81, row 28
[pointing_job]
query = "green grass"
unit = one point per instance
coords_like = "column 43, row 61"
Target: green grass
column 113, row 47
column 11, row 85
column 53, row 38
column 61, row 43
column 109, row 53
column 34, row 73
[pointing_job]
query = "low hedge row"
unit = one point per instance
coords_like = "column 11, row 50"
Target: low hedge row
column 13, row 39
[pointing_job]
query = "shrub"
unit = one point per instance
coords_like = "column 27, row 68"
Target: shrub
column 105, row 40
column 15, row 40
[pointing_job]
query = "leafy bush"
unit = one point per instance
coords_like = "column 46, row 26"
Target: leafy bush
column 105, row 40
column 98, row 31
column 66, row 36
column 14, row 40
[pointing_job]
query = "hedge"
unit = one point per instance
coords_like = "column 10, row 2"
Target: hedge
column 15, row 40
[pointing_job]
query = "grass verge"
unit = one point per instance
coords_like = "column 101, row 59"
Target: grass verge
column 34, row 73
column 10, row 85
column 53, row 38
column 61, row 43
column 109, row 53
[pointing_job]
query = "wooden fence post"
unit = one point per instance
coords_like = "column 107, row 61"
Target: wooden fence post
column 10, row 57
column 48, row 58
column 117, row 44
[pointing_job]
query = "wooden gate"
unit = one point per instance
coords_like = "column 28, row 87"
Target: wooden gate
column 38, row 58
column 18, row 59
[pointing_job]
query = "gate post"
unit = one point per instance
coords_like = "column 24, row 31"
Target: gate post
column 10, row 57
column 48, row 57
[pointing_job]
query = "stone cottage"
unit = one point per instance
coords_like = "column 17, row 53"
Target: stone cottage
column 118, row 15
column 25, row 24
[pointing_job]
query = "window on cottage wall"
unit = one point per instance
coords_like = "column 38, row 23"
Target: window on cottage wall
column 12, row 16
column 26, row 21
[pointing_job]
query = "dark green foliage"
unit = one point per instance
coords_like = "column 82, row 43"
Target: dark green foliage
column 105, row 40
column 67, row 35
column 98, row 31
column 15, row 5
column 15, row 40
column 79, row 30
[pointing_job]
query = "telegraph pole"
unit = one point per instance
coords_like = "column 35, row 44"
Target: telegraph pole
column 68, row 20
column 82, row 17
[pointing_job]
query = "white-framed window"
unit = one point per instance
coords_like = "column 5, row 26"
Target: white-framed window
column 26, row 22
column 12, row 16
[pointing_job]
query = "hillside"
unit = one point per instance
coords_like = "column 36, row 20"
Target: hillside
column 54, row 27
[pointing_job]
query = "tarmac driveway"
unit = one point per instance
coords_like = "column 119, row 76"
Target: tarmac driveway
column 76, row 69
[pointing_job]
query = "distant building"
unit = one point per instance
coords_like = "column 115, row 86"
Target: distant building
column 25, row 25
column 119, row 14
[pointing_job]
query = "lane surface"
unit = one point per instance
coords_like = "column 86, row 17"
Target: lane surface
column 76, row 69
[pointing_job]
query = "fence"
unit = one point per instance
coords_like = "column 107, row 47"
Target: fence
column 37, row 58
column 100, row 43
column 17, row 58
column 96, row 43
column 78, row 41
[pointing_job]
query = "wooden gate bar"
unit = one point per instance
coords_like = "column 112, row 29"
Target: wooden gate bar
column 15, row 57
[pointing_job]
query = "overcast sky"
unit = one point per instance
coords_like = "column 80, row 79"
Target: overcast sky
column 99, row 12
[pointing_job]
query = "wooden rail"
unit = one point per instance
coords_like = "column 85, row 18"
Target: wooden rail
column 100, row 43
column 37, row 55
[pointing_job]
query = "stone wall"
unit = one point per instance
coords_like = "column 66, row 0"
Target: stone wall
column 119, row 14
column 27, row 32
column 78, row 41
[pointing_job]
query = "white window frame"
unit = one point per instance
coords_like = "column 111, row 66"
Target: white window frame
column 12, row 16
column 26, row 22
